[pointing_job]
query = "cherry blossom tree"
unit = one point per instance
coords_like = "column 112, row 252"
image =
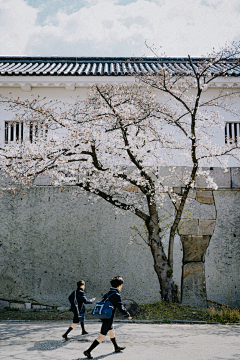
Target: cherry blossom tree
column 198, row 117
column 113, row 145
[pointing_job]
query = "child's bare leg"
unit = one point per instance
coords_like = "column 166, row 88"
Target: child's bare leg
column 101, row 338
column 112, row 334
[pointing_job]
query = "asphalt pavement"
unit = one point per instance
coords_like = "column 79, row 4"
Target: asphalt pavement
column 42, row 341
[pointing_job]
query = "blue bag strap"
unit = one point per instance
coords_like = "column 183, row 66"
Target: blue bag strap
column 108, row 296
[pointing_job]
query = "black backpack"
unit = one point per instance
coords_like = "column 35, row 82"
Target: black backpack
column 71, row 300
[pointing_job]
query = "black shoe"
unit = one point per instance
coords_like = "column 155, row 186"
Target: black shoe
column 64, row 336
column 84, row 332
column 88, row 354
column 118, row 349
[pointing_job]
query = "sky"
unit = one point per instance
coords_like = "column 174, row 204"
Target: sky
column 114, row 28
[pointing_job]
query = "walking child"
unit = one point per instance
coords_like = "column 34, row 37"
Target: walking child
column 107, row 324
column 77, row 300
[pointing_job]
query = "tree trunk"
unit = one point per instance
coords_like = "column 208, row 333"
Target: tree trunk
column 168, row 290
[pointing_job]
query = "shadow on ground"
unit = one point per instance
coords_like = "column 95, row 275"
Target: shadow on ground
column 47, row 345
column 98, row 357
column 55, row 344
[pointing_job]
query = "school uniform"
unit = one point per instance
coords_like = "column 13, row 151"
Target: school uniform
column 81, row 300
column 115, row 299
column 107, row 324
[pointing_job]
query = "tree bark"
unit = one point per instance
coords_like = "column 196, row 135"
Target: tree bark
column 164, row 271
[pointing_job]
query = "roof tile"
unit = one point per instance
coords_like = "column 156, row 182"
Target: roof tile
column 98, row 66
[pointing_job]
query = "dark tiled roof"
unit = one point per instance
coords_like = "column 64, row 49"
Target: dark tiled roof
column 71, row 66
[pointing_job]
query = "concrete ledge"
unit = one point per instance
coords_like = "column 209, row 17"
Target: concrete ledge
column 3, row 304
column 29, row 306
column 17, row 305
column 221, row 178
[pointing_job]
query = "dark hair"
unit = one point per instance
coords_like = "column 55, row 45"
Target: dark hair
column 116, row 281
column 80, row 283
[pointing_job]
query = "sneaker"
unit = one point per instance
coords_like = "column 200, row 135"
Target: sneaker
column 88, row 354
column 64, row 336
column 84, row 332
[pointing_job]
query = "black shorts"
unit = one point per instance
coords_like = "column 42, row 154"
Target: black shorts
column 76, row 319
column 106, row 326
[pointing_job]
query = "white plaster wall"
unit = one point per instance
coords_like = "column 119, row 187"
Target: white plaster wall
column 51, row 93
column 51, row 90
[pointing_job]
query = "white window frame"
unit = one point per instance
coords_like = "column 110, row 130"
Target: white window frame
column 13, row 132
column 232, row 132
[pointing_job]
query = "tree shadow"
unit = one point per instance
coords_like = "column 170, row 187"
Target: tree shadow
column 18, row 331
column 47, row 345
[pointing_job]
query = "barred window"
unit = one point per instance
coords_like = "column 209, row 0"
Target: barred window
column 13, row 132
column 36, row 130
column 232, row 132
column 32, row 131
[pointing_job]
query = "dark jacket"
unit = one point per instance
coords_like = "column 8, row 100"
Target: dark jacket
column 116, row 301
column 81, row 299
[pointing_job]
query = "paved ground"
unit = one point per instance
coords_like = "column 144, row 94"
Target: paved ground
column 42, row 341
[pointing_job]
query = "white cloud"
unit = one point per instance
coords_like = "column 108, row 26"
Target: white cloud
column 107, row 28
column 94, row 2
column 17, row 22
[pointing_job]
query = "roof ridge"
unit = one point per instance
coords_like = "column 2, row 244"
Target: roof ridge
column 97, row 58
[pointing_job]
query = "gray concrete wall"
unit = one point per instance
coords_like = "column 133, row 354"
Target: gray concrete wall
column 49, row 240
column 223, row 254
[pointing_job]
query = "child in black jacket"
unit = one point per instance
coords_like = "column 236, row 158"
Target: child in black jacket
column 81, row 300
column 107, row 325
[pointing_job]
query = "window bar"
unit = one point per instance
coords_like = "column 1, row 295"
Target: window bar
column 9, row 133
column 31, row 132
column 46, row 130
column 226, row 133
column 12, row 132
column 238, row 133
column 235, row 133
column 17, row 132
column 21, row 132
column 42, row 129
column 36, row 131
column 6, row 132
column 230, row 133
